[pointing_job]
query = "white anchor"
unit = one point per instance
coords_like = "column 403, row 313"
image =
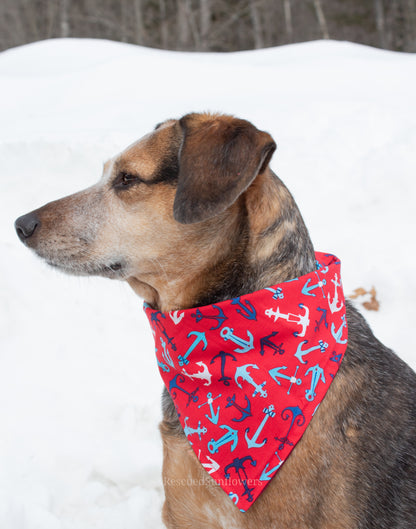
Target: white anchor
column 303, row 321
column 210, row 467
column 175, row 318
column 333, row 305
column 203, row 375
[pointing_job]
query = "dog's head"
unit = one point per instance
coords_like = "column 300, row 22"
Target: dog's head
column 163, row 209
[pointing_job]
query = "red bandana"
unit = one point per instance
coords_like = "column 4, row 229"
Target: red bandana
column 247, row 375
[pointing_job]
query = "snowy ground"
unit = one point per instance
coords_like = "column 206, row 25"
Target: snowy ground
column 79, row 389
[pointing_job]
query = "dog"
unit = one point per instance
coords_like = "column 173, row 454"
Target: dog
column 192, row 215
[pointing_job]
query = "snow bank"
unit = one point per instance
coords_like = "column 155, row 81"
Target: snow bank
column 79, row 389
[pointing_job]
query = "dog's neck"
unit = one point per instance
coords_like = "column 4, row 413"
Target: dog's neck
column 261, row 241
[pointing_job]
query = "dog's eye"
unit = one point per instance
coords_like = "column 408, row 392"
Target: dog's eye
column 124, row 180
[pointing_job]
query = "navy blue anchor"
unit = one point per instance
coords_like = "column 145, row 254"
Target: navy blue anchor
column 246, row 309
column 337, row 261
column 220, row 317
column 173, row 384
column 306, row 289
column 336, row 357
column 266, row 342
column 238, row 466
column 157, row 323
column 321, row 320
column 297, row 416
column 245, row 412
column 337, row 334
column 223, row 355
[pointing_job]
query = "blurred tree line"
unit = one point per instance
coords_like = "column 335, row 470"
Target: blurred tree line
column 212, row 25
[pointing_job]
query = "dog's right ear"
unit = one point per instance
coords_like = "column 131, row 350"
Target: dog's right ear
column 219, row 158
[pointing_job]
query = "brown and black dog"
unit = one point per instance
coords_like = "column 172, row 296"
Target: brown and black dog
column 191, row 215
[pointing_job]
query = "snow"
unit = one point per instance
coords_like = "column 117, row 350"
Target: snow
column 79, row 388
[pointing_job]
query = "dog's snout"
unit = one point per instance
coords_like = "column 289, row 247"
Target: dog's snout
column 26, row 225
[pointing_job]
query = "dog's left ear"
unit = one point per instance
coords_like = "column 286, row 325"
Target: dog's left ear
column 219, row 158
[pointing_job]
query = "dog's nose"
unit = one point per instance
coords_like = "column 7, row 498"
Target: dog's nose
column 26, row 225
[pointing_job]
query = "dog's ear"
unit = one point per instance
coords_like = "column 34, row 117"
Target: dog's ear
column 219, row 158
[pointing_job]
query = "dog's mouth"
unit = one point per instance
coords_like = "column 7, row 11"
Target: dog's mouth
column 112, row 270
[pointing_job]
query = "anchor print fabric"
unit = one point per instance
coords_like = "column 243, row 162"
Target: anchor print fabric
column 246, row 375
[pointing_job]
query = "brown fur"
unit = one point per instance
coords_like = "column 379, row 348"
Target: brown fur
column 192, row 214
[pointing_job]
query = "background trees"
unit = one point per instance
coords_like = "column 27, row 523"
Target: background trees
column 212, row 25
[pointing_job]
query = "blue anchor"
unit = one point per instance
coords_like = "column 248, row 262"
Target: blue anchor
column 301, row 353
column 230, row 437
column 165, row 354
column 246, row 308
column 297, row 416
column 214, row 417
column 245, row 412
column 163, row 366
column 252, row 443
column 245, row 345
column 338, row 334
column 157, row 323
column 234, row 497
column 266, row 474
column 238, row 465
column 316, row 407
column 223, row 355
column 321, row 320
column 306, row 289
column 266, row 342
column 220, row 317
column 277, row 292
column 317, row 374
column 173, row 384
column 321, row 268
column 241, row 372
column 191, row 431
column 275, row 374
column 200, row 337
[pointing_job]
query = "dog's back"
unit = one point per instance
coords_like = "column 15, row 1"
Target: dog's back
column 380, row 425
